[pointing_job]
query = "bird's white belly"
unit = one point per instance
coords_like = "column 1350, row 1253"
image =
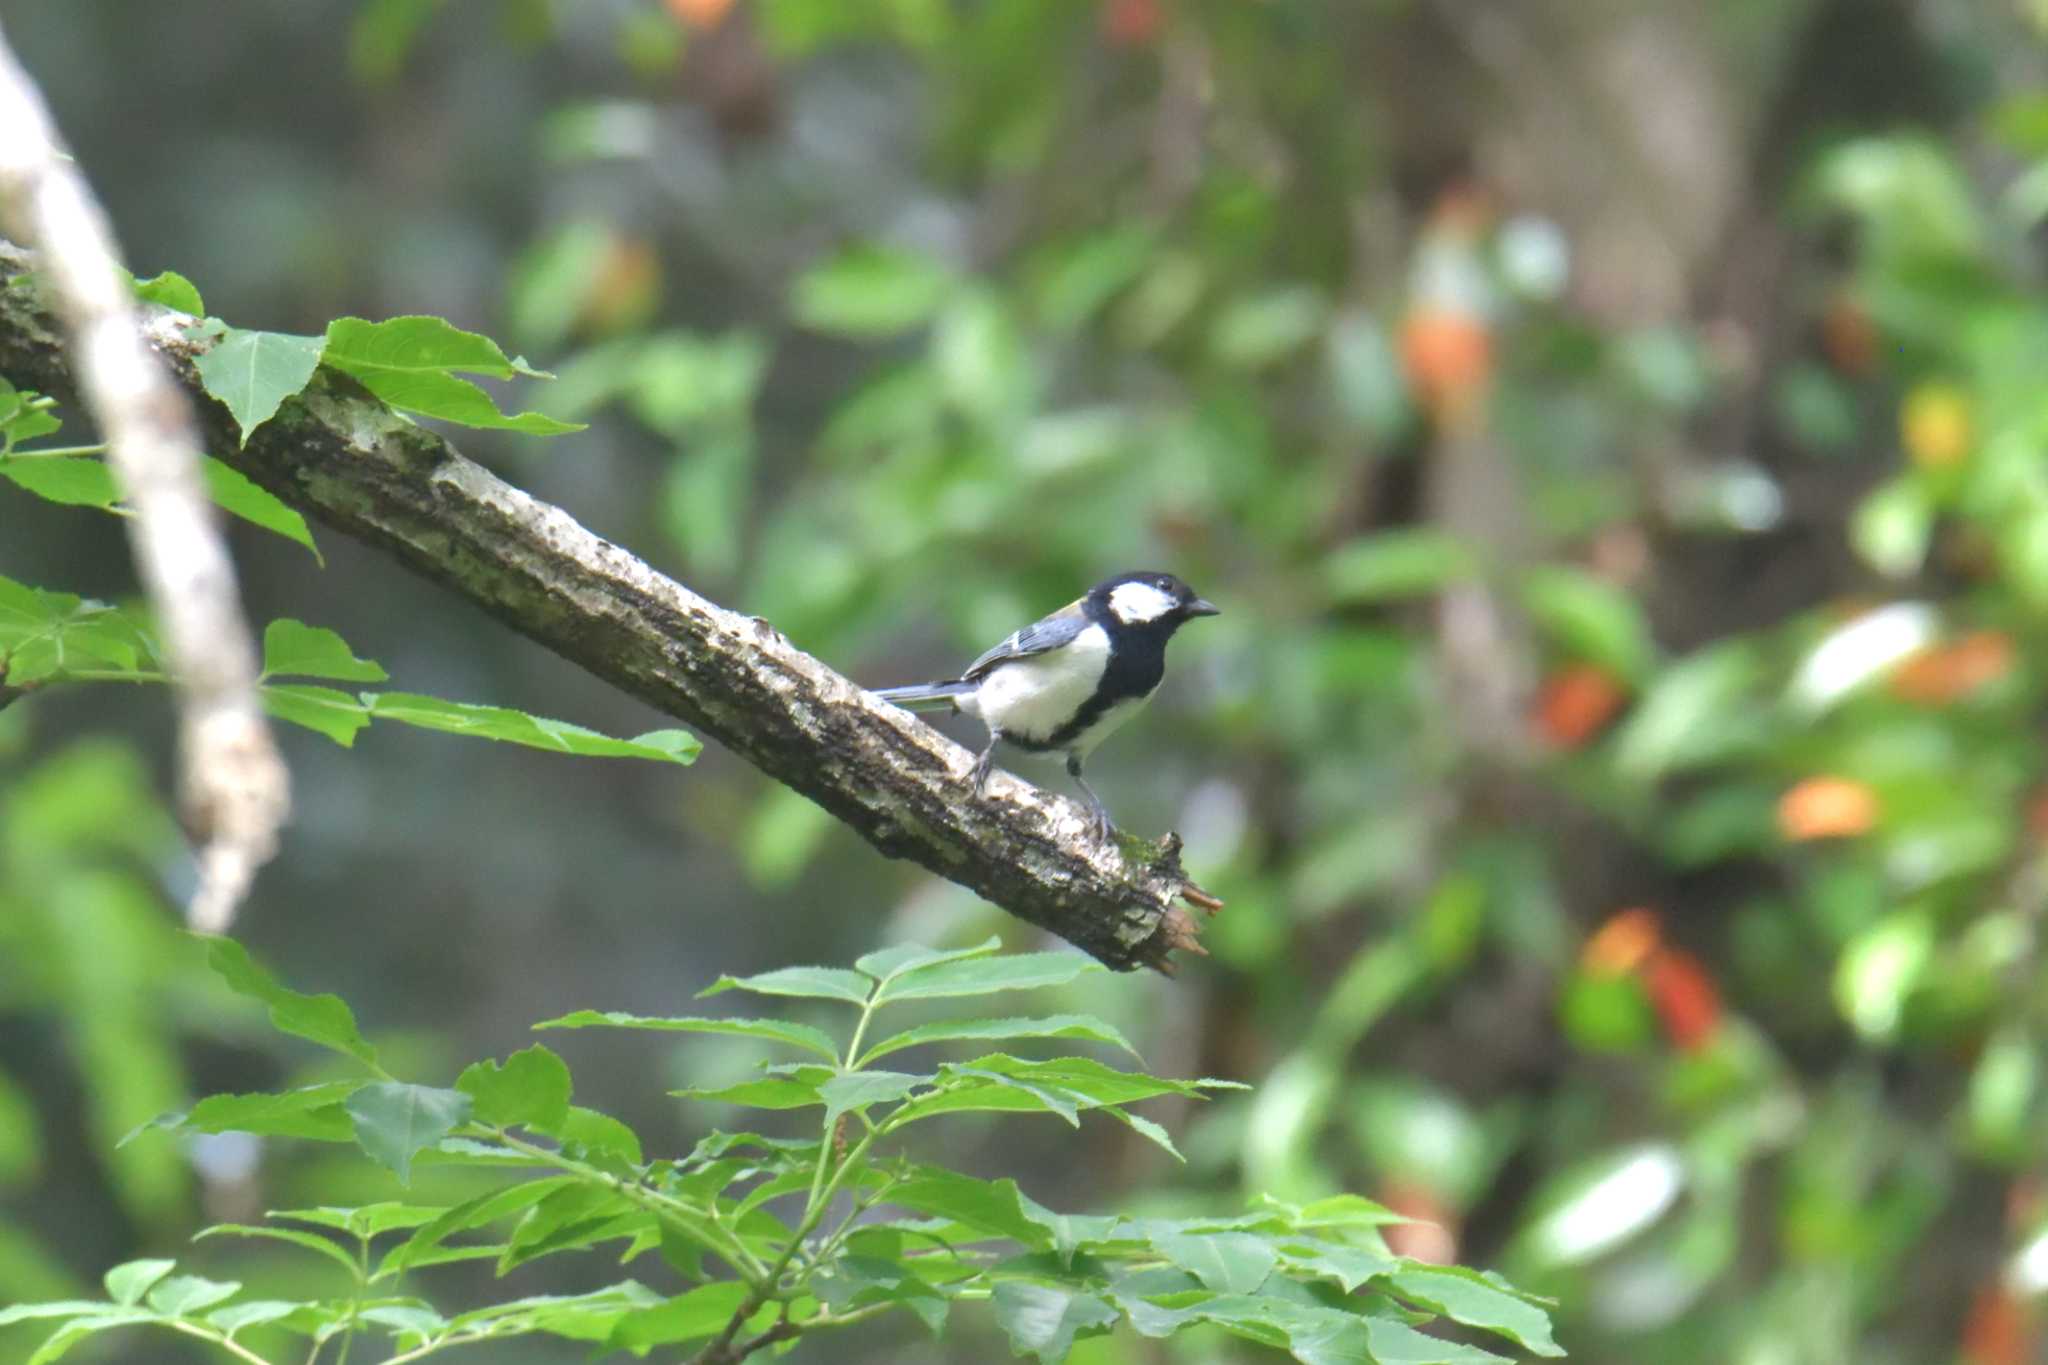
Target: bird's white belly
column 1032, row 698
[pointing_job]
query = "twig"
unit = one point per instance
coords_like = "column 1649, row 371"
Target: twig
column 235, row 789
column 340, row 454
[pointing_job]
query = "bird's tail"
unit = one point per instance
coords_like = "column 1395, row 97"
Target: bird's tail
column 935, row 696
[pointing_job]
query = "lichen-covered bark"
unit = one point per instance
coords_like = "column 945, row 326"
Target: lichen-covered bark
column 343, row 457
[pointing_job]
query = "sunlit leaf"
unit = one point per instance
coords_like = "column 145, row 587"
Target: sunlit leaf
column 413, row 363
column 322, row 1019
column 530, row 1090
column 775, row 1030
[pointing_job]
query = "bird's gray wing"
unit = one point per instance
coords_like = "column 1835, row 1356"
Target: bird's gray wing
column 1039, row 637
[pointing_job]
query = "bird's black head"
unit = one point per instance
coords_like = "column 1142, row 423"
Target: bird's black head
column 1147, row 600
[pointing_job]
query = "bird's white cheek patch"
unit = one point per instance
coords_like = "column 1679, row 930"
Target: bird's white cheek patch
column 1136, row 603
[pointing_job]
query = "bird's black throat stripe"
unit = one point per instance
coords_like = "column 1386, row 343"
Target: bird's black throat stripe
column 1137, row 661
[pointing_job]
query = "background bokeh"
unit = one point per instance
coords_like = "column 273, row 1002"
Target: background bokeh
column 1614, row 430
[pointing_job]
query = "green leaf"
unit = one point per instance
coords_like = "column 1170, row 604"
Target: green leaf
column 702, row 1312
column 314, row 1112
column 859, row 1089
column 814, row 983
column 775, row 1030
column 1396, row 1343
column 79, row 1329
column 128, row 1282
column 68, row 1308
column 1226, row 1262
column 310, row 1241
column 181, row 1295
column 992, row 1206
column 72, row 482
column 517, row 727
column 884, row 963
column 794, row 1091
column 171, row 290
column 600, row 1136
column 474, row 1213
column 1392, row 565
column 987, row 1030
column 1893, row 527
column 394, row 1120
column 1347, row 1211
column 1087, row 1078
column 412, row 363
column 253, row 1313
column 322, row 1019
column 334, row 714
column 254, row 372
column 531, row 1090
column 314, row 652
column 870, row 291
column 1043, row 1321
column 1591, row 618
column 986, row 975
column 1464, row 1296
column 234, row 493
column 364, row 1220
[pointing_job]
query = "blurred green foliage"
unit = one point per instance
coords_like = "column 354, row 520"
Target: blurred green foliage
column 1613, row 432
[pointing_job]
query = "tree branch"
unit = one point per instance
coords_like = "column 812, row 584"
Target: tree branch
column 341, row 455
column 236, row 792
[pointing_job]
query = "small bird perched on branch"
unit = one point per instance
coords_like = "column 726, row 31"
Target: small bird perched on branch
column 1063, row 683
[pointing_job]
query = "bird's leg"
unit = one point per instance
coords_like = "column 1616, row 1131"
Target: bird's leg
column 1101, row 812
column 986, row 761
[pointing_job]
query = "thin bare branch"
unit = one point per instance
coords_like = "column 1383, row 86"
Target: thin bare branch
column 235, row 790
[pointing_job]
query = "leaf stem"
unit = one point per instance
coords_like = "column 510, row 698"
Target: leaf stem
column 220, row 1339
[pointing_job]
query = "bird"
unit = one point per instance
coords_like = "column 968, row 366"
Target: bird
column 1062, row 683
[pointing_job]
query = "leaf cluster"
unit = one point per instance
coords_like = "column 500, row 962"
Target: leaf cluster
column 750, row 1240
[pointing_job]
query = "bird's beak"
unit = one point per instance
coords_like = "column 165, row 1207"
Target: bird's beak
column 1202, row 606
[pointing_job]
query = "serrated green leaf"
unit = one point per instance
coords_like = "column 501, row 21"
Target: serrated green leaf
column 363, row 1220
column 1463, row 1296
column 1347, row 1211
column 1225, row 1262
column 600, row 1137
column 990, row 1030
column 254, row 372
column 394, row 1120
column 322, row 1019
column 859, row 1089
column 128, row 1282
column 775, row 1030
column 310, row 1241
column 770, row 1092
column 992, row 1206
column 702, row 1312
column 171, row 290
column 986, row 975
column 517, row 727
column 294, row 648
column 1085, row 1078
column 313, row 1112
column 233, row 492
column 816, row 983
column 1043, row 1321
column 1396, row 1343
column 475, row 1213
column 412, row 363
column 182, row 1295
column 332, row 713
column 70, row 481
column 884, row 963
column 531, row 1090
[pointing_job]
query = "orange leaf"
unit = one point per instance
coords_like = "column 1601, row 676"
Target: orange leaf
column 1998, row 1330
column 1945, row 673
column 1827, row 808
column 1937, row 426
column 1623, row 943
column 1448, row 356
column 1685, row 996
column 1576, row 703
column 1132, row 23
column 699, row 13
